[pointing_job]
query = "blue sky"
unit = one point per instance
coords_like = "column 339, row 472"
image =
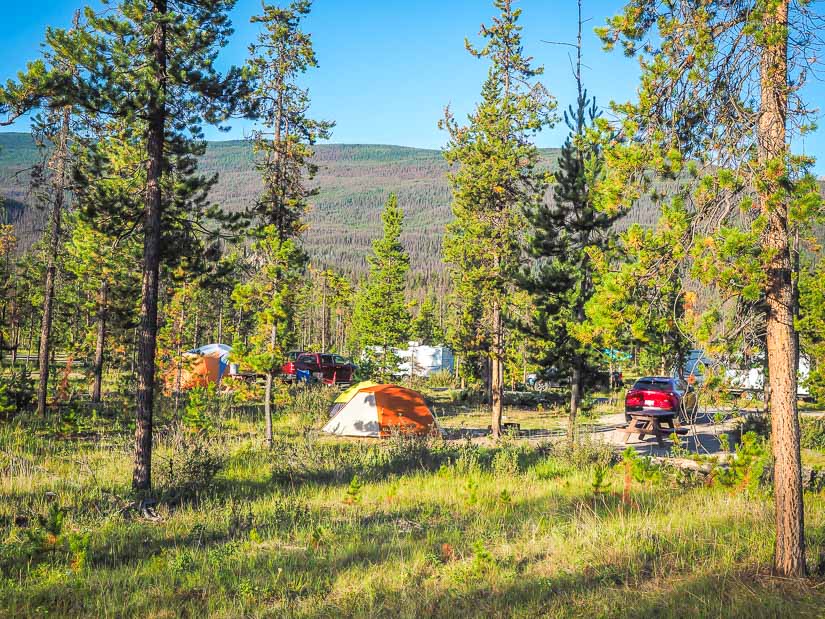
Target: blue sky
column 388, row 67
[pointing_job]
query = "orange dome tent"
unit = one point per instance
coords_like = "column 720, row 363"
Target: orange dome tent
column 199, row 367
column 378, row 411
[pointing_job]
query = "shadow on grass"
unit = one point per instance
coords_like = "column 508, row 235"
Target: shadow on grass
column 299, row 573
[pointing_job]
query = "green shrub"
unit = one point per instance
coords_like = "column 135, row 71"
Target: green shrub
column 749, row 466
column 441, row 379
column 585, row 452
column 191, row 467
column 196, row 415
column 16, row 392
column 813, row 433
column 757, row 424
column 551, row 468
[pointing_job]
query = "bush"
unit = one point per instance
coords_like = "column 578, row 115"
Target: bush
column 16, row 392
column 551, row 468
column 813, row 433
column 191, row 467
column 750, row 465
column 195, row 416
column 441, row 379
column 758, row 424
column 586, row 452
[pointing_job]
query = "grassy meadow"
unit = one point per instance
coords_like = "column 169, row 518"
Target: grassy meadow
column 319, row 527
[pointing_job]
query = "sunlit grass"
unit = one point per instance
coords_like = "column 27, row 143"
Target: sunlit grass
column 452, row 531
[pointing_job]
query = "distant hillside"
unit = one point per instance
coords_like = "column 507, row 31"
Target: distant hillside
column 354, row 182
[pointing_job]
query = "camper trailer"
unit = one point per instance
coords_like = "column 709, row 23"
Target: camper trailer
column 741, row 379
column 422, row 360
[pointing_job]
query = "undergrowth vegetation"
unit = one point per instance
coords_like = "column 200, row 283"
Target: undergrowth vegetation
column 402, row 527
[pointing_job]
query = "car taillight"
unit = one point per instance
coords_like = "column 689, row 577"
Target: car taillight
column 633, row 398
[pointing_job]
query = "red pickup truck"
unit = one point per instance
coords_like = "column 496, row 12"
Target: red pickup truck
column 329, row 368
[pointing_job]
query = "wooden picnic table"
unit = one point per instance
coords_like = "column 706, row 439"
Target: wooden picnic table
column 660, row 424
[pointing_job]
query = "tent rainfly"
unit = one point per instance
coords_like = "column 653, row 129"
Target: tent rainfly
column 378, row 411
column 347, row 395
column 199, row 367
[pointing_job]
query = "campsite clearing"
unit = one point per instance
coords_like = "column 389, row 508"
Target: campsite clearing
column 370, row 527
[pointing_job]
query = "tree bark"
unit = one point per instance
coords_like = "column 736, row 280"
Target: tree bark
column 60, row 158
column 789, row 550
column 179, row 353
column 497, row 372
column 575, row 397
column 324, row 313
column 148, row 329
column 29, row 344
column 270, row 375
column 51, row 269
column 99, row 345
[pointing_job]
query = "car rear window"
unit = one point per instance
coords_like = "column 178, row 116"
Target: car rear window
column 653, row 384
column 307, row 359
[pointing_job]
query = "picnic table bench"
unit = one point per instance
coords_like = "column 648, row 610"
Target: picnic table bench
column 656, row 423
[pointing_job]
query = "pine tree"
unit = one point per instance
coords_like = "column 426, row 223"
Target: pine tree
column 811, row 325
column 717, row 107
column 425, row 327
column 106, row 285
column 562, row 232
column 8, row 244
column 381, row 320
column 284, row 147
column 151, row 67
column 497, row 177
column 276, row 269
column 53, row 132
column 282, row 53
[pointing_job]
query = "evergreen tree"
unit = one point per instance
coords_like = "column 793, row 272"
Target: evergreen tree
column 282, row 53
column 496, row 178
column 381, row 320
column 425, row 327
column 269, row 294
column 284, row 147
column 811, row 325
column 8, row 243
column 53, row 132
column 717, row 107
column 149, row 65
column 106, row 286
column 562, row 233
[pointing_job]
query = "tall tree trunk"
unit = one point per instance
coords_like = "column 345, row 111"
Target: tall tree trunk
column 59, row 187
column 197, row 336
column 29, row 343
column 148, row 330
column 15, row 344
column 219, row 338
column 789, row 551
column 270, row 375
column 99, row 345
column 324, row 314
column 497, row 371
column 575, row 397
column 179, row 354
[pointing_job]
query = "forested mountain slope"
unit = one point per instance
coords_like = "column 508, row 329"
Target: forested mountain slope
column 354, row 182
